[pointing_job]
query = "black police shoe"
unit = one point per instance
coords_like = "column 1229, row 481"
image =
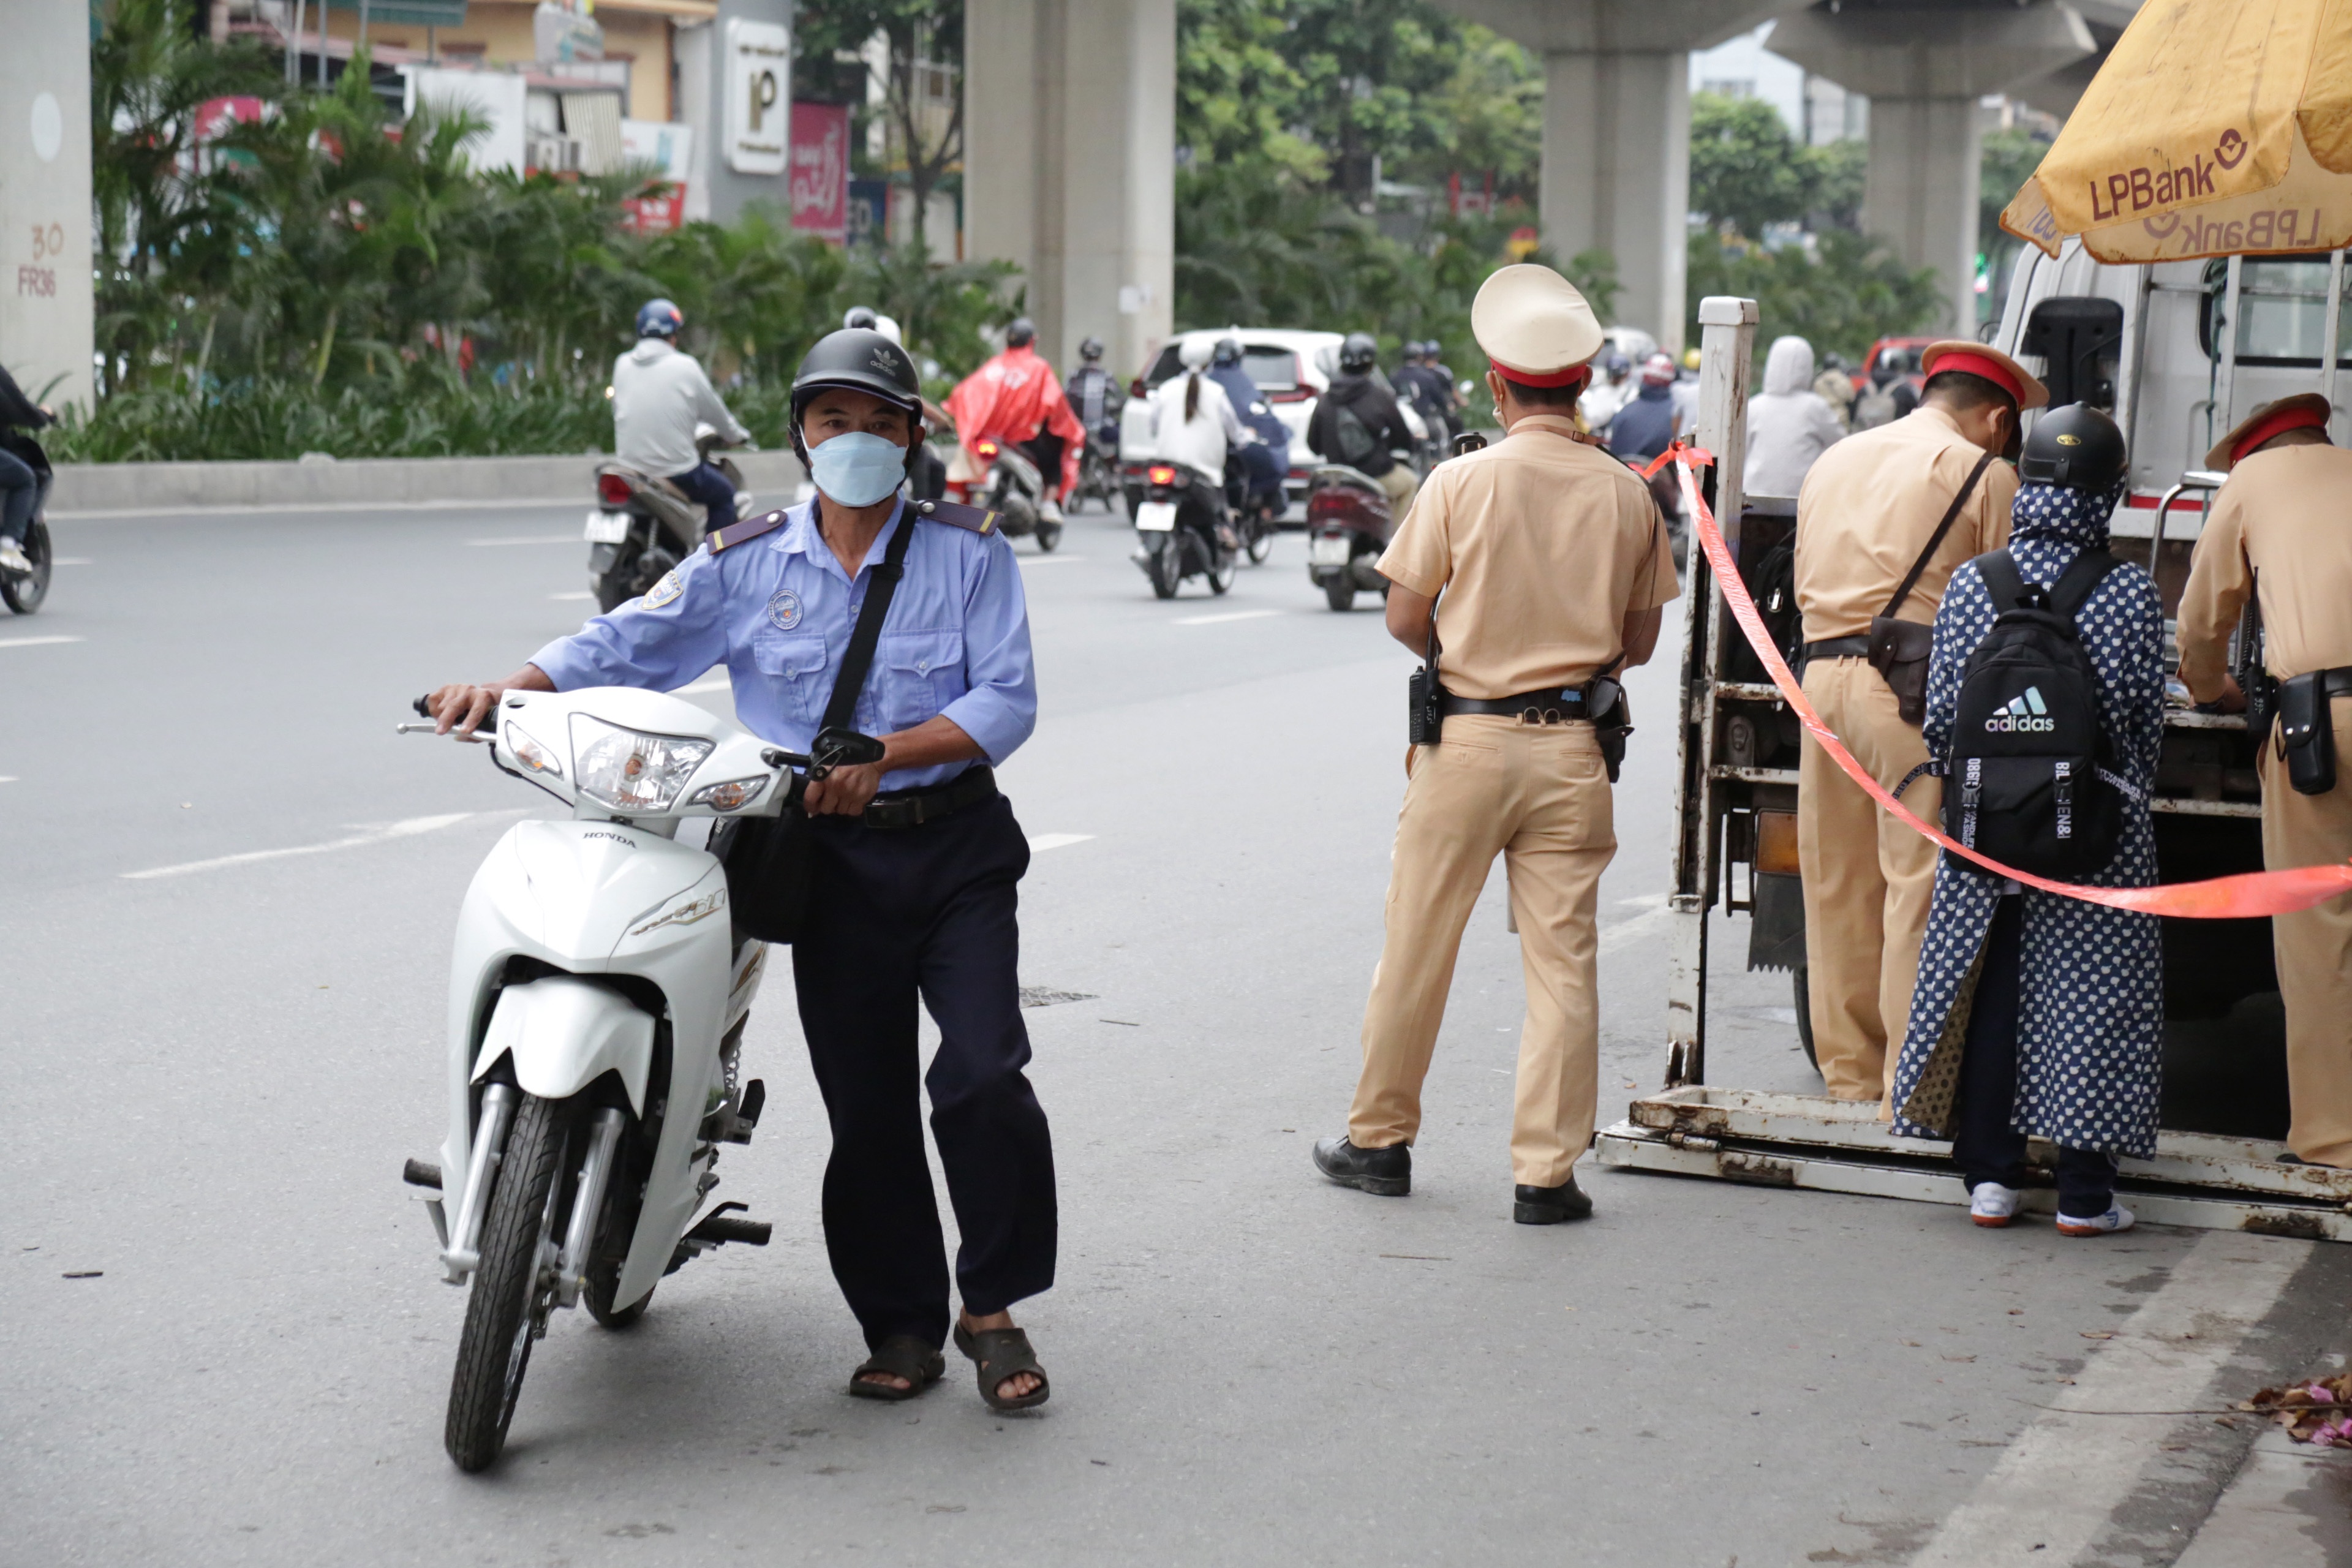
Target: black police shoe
column 1549, row 1206
column 1385, row 1173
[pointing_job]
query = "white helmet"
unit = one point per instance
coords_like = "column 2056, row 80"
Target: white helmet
column 1193, row 353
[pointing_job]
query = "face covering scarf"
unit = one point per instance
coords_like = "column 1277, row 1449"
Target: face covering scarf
column 857, row 468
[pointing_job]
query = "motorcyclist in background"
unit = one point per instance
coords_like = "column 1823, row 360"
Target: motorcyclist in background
column 1095, row 394
column 1419, row 381
column 1266, row 461
column 659, row 394
column 20, row 487
column 1016, row 398
column 1379, row 427
column 1610, row 390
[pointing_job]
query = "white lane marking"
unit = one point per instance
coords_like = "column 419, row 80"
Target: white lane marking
column 525, row 503
column 567, row 598
column 71, row 561
column 1228, row 616
column 1044, row 841
column 1047, row 560
column 9, row 778
column 2056, row 1487
column 524, row 539
column 719, row 681
column 33, row 642
column 390, row 830
column 1639, row 925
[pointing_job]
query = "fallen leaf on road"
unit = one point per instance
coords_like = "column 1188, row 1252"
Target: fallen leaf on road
column 2098, row 1333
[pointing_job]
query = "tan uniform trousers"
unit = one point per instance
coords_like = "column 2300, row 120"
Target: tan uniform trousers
column 2314, row 952
column 1538, row 795
column 1400, row 484
column 1868, row 877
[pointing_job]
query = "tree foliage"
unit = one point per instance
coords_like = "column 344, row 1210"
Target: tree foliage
column 1841, row 297
column 324, row 278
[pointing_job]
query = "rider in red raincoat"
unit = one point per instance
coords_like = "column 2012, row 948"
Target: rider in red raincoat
column 1016, row 398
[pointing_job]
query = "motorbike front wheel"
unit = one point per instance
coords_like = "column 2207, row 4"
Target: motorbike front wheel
column 23, row 591
column 1049, row 534
column 513, row 1287
column 1221, row 568
column 1261, row 539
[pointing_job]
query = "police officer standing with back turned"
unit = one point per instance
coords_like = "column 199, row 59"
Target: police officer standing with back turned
column 2280, row 531
column 916, row 858
column 1883, row 519
column 1553, row 565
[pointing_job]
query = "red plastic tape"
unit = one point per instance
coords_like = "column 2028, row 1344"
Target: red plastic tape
column 2248, row 894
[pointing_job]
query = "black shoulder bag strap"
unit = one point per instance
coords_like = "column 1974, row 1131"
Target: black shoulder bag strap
column 859, row 658
column 1936, row 540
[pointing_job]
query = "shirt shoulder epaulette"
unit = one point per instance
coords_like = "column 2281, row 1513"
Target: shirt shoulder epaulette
column 972, row 519
column 736, row 534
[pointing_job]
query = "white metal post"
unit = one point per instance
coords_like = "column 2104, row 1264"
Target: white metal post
column 2331, row 323
column 2225, row 385
column 1727, row 347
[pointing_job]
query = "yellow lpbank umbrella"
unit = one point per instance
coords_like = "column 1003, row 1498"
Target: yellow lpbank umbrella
column 2216, row 127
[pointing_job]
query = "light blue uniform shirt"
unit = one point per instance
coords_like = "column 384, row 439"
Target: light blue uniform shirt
column 778, row 610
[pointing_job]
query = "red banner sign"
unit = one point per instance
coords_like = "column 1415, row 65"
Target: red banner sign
column 820, row 169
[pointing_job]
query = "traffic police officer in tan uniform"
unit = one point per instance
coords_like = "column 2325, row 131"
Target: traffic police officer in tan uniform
column 2282, row 528
column 1869, row 507
column 1552, row 563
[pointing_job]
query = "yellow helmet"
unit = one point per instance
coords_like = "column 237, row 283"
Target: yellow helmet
column 1690, row 358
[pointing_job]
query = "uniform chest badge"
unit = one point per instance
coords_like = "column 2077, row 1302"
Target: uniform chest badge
column 785, row 610
column 663, row 592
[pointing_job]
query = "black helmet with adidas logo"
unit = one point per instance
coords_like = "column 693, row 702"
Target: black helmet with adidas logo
column 2078, row 446
column 860, row 360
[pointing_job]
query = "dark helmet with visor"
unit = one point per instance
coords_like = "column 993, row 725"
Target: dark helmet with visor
column 859, row 360
column 1020, row 332
column 1091, row 350
column 2076, row 447
column 659, row 319
column 1358, row 353
column 1228, row 353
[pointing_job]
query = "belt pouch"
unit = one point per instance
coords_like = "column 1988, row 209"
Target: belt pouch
column 1612, row 719
column 2307, row 731
column 1898, row 651
column 1425, row 697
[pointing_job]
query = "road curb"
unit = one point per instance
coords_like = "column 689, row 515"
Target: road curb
column 169, row 487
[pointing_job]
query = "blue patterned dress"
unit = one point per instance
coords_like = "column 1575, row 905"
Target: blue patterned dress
column 2091, row 983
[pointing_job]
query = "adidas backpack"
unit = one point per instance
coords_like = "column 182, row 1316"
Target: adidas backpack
column 2029, row 781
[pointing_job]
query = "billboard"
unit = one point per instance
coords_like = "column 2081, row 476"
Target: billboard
column 757, row 63
column 820, row 179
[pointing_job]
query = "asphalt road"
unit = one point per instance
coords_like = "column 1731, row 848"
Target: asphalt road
column 227, row 1341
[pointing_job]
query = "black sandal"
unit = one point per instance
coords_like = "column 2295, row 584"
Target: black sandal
column 901, row 1355
column 1001, row 1353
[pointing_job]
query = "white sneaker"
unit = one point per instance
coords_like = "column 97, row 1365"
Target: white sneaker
column 1993, row 1204
column 1049, row 509
column 12, row 557
column 2107, row 1223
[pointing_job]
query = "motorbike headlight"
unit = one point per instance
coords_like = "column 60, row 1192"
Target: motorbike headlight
column 729, row 796
column 629, row 770
column 529, row 753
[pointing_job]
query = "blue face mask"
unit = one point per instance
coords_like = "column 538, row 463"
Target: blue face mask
column 857, row 468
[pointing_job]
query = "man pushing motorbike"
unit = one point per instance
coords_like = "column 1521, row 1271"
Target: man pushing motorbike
column 915, row 858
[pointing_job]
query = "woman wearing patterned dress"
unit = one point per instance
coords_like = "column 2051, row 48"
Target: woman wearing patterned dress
column 2038, row 1014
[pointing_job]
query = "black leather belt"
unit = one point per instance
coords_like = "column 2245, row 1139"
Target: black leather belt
column 914, row 807
column 1839, row 648
column 1552, row 705
column 2338, row 682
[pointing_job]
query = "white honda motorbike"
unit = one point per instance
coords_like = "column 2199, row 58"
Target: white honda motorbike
column 597, row 999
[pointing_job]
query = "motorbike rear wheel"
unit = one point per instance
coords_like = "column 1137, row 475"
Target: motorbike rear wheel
column 513, row 1287
column 1049, row 534
column 23, row 591
column 1260, row 537
column 1340, row 594
column 1163, row 566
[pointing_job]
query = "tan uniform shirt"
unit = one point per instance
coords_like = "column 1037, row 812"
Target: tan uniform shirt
column 2283, row 519
column 1868, row 507
column 1544, row 545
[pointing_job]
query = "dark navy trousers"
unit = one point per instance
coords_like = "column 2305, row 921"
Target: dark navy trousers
column 707, row 487
column 1987, row 1143
column 928, row 912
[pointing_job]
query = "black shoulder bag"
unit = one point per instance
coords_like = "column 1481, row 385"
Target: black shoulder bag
column 767, row 861
column 1899, row 650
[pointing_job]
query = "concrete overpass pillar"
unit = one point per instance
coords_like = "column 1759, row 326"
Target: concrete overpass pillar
column 1070, row 165
column 1616, row 175
column 46, row 311
column 1923, row 71
column 1616, row 133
